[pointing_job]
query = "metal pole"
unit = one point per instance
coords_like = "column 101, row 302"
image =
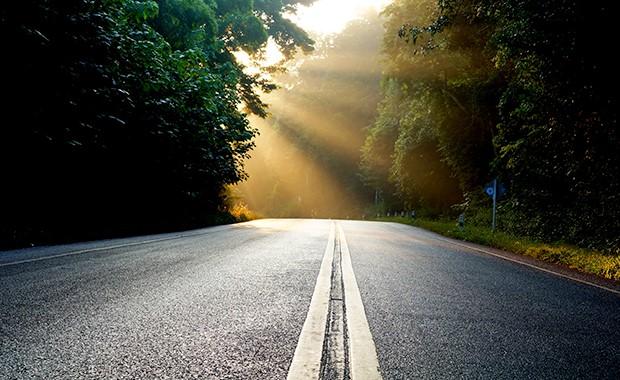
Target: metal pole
column 494, row 203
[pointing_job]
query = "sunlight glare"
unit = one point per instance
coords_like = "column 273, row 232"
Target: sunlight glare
column 328, row 16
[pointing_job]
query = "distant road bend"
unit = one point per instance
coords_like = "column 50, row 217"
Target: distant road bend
column 297, row 299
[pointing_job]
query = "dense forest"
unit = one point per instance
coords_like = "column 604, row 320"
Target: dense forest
column 126, row 116
column 519, row 90
column 132, row 116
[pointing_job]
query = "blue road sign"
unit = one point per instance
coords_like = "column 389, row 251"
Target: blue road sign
column 489, row 189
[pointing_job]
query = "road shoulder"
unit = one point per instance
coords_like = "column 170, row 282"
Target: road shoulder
column 554, row 269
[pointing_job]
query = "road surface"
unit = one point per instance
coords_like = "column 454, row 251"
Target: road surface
column 295, row 298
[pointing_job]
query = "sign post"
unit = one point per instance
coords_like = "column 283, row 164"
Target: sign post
column 494, row 204
column 494, row 190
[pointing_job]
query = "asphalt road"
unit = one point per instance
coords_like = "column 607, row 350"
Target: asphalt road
column 230, row 302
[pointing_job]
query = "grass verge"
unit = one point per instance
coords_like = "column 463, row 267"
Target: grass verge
column 581, row 259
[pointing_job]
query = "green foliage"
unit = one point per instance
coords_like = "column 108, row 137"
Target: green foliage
column 239, row 26
column 187, row 24
column 379, row 145
column 434, row 104
column 285, row 33
column 557, row 135
column 142, row 10
column 516, row 89
column 122, row 116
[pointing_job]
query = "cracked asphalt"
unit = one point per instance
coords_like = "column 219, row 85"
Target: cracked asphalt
column 229, row 303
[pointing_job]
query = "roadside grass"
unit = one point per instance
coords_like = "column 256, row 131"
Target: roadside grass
column 581, row 259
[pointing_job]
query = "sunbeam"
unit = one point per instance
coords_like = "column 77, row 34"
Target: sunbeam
column 307, row 155
column 299, row 185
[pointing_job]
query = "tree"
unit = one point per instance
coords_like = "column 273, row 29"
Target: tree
column 542, row 91
column 439, row 105
column 122, row 116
